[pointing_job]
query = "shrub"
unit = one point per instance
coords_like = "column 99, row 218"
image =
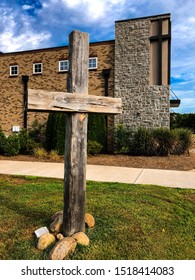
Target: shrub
column 121, row 136
column 40, row 153
column 55, row 132
column 183, row 121
column 142, row 143
column 182, row 141
column 160, row 142
column 49, row 133
column 2, row 141
column 59, row 137
column 97, row 130
column 164, row 140
column 93, row 147
column 12, row 145
column 151, row 142
column 53, row 155
column 37, row 132
column 56, row 129
column 27, row 145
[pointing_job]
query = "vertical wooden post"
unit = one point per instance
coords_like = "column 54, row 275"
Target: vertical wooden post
column 76, row 138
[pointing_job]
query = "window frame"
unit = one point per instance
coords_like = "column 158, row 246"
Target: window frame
column 158, row 38
column 96, row 63
column 37, row 63
column 63, row 70
column 10, row 71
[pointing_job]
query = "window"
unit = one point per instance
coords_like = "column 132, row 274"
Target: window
column 63, row 65
column 14, row 70
column 37, row 68
column 93, row 63
column 160, row 38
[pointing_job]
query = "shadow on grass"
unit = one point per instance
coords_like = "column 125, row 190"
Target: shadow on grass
column 132, row 221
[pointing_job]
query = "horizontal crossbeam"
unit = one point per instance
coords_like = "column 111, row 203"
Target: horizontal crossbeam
column 46, row 101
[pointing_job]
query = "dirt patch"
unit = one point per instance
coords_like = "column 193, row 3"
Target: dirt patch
column 12, row 180
column 184, row 162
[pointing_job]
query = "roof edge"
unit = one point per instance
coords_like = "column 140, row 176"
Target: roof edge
column 146, row 17
column 55, row 48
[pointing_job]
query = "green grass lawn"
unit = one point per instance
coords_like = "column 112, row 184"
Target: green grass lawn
column 132, row 221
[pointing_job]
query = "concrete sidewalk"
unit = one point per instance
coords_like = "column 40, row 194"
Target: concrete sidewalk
column 169, row 178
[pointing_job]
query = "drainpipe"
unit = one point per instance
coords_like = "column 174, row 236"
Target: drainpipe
column 106, row 74
column 25, row 99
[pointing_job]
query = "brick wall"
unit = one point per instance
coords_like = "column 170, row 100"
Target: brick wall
column 11, row 92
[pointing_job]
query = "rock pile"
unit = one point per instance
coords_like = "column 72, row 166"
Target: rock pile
column 65, row 245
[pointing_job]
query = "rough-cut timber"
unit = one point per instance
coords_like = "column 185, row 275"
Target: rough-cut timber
column 73, row 103
column 76, row 138
column 41, row 100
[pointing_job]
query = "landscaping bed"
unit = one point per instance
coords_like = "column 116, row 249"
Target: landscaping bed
column 172, row 162
column 184, row 162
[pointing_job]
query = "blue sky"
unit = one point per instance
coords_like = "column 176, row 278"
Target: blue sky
column 32, row 24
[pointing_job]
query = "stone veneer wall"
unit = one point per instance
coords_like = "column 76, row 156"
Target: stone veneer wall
column 143, row 105
column 11, row 91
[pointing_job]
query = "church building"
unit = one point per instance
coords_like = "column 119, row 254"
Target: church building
column 135, row 66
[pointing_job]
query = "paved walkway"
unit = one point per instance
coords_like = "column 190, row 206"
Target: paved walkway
column 169, row 178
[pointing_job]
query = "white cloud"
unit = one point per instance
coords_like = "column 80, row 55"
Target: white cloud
column 86, row 11
column 26, row 7
column 72, row 3
column 96, row 17
column 187, row 104
column 19, row 35
column 98, row 7
column 184, row 31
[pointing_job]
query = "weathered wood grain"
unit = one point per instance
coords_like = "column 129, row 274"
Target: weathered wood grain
column 76, row 138
column 76, row 104
column 41, row 100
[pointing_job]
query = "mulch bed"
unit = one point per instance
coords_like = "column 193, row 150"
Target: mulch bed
column 184, row 162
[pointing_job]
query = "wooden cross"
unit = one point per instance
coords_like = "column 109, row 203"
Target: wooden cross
column 76, row 103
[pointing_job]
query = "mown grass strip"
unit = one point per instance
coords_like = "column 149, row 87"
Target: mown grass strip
column 132, row 221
